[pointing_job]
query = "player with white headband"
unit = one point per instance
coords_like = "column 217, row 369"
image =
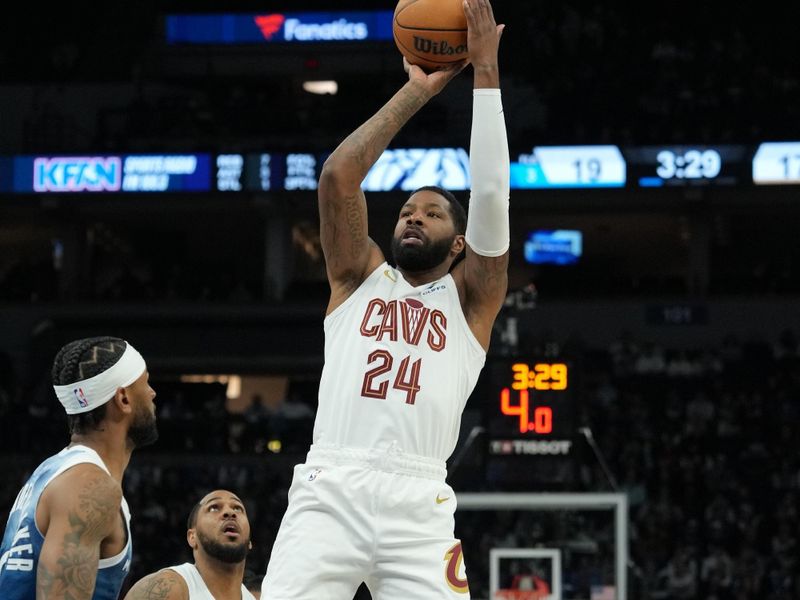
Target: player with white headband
column 68, row 533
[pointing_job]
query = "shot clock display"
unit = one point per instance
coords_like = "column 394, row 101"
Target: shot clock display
column 658, row 166
column 530, row 400
column 537, row 377
column 529, row 418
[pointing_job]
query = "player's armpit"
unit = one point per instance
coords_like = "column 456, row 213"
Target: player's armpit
column 164, row 585
column 83, row 508
column 483, row 281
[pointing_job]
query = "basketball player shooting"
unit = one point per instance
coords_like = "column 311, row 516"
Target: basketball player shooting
column 403, row 349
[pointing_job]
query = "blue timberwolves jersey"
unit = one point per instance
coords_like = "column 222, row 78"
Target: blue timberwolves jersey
column 22, row 542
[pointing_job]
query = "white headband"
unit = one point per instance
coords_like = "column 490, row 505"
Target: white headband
column 87, row 394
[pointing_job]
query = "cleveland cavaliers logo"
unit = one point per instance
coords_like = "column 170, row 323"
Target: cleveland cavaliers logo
column 409, row 320
column 413, row 313
column 455, row 562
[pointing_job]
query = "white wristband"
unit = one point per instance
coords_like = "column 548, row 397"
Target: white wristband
column 487, row 224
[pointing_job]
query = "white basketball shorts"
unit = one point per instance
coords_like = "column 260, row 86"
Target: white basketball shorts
column 381, row 517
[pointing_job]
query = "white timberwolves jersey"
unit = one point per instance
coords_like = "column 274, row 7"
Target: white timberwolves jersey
column 400, row 363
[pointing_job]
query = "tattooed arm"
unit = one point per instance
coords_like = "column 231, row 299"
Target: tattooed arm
column 79, row 510
column 164, row 585
column 350, row 254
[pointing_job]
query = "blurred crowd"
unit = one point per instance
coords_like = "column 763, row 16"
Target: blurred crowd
column 701, row 441
column 129, row 267
column 575, row 73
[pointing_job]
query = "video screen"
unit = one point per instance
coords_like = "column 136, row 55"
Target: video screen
column 557, row 247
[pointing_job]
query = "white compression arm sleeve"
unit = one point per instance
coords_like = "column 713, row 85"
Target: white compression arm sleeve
column 487, row 225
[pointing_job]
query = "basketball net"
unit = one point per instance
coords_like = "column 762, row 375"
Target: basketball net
column 414, row 315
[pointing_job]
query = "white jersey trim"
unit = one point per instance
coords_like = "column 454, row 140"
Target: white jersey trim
column 353, row 296
column 196, row 586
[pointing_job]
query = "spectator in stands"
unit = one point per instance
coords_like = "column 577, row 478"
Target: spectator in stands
column 680, row 575
column 716, row 573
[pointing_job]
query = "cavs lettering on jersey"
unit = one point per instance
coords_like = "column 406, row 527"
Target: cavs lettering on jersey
column 22, row 542
column 400, row 363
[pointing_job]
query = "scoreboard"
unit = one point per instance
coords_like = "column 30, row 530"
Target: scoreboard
column 569, row 167
column 659, row 166
column 777, row 163
column 406, row 169
column 529, row 414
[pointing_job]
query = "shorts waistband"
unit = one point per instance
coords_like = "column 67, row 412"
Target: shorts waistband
column 390, row 460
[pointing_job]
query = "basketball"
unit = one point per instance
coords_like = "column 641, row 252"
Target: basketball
column 431, row 33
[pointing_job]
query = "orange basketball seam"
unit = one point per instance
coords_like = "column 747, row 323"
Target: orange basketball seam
column 397, row 12
column 399, row 24
column 407, row 28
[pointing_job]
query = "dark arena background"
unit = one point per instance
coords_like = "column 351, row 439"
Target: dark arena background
column 633, row 432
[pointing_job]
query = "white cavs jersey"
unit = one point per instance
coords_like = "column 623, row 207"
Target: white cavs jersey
column 400, row 363
column 198, row 590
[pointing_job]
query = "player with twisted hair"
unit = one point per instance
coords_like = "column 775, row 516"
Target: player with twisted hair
column 68, row 534
column 404, row 345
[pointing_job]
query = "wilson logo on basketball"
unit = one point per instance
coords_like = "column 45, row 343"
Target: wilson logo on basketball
column 442, row 48
column 269, row 24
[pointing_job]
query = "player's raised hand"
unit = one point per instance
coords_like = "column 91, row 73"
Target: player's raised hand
column 483, row 33
column 434, row 82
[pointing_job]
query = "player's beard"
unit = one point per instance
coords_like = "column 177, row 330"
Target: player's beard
column 143, row 430
column 424, row 257
column 230, row 554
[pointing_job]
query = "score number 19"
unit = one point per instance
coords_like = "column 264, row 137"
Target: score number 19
column 541, row 377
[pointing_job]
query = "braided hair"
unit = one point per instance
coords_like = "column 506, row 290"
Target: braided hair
column 83, row 359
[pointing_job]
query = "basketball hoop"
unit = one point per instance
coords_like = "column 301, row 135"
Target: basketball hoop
column 520, row 595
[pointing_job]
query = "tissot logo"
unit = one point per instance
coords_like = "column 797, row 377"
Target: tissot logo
column 269, row 24
column 440, row 48
column 522, row 447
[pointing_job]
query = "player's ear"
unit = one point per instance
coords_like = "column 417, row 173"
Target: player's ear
column 191, row 538
column 459, row 243
column 122, row 401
